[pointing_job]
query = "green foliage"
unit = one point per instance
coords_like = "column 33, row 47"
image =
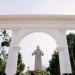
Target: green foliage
column 39, row 72
column 71, row 46
column 2, row 65
column 5, row 43
column 3, row 54
column 54, row 64
column 20, row 64
column 6, row 39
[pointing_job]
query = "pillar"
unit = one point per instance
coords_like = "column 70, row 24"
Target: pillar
column 64, row 59
column 11, row 65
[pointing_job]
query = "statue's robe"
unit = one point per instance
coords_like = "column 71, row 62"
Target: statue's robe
column 38, row 60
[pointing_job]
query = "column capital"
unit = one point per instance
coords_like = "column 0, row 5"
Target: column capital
column 16, row 48
column 60, row 49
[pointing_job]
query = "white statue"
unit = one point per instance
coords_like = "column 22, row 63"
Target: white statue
column 38, row 62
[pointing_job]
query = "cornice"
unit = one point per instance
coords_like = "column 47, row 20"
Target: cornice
column 37, row 21
column 5, row 18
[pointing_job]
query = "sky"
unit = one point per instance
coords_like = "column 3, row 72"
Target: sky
column 15, row 7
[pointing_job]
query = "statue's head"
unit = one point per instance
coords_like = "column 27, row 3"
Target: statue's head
column 38, row 48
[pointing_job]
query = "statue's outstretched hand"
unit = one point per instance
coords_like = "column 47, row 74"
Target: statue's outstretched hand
column 32, row 53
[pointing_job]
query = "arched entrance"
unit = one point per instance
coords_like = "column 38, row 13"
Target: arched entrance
column 24, row 25
column 30, row 42
column 60, row 37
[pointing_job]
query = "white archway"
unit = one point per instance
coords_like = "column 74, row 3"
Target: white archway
column 60, row 37
column 52, row 25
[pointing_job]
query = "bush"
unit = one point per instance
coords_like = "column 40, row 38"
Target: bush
column 40, row 72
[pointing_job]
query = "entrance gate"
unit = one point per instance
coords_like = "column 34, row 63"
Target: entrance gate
column 22, row 25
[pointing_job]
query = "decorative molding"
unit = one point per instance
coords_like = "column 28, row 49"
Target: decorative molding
column 37, row 17
column 37, row 21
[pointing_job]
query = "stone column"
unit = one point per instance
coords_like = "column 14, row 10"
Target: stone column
column 12, row 55
column 64, row 59
column 61, row 60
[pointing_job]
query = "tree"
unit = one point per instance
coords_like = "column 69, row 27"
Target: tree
column 3, row 54
column 54, row 68
column 20, row 64
column 6, row 39
column 2, row 65
column 71, row 47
